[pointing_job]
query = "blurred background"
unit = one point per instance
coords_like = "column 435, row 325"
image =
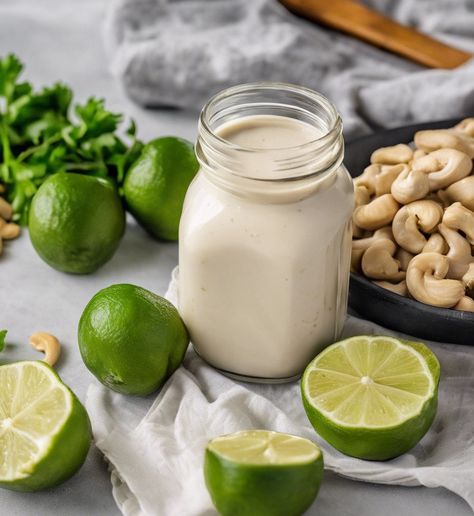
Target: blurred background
column 178, row 53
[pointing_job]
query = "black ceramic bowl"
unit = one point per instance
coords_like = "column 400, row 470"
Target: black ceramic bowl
column 382, row 306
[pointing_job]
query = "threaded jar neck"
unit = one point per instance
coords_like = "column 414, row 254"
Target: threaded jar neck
column 224, row 160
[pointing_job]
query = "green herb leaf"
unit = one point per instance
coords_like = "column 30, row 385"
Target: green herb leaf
column 40, row 135
column 3, row 334
column 10, row 69
column 95, row 119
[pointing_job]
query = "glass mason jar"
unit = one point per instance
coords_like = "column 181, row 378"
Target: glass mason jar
column 265, row 235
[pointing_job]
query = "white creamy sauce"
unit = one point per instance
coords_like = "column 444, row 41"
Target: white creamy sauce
column 263, row 281
column 268, row 132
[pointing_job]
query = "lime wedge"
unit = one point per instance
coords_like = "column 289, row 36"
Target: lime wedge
column 372, row 397
column 262, row 473
column 44, row 430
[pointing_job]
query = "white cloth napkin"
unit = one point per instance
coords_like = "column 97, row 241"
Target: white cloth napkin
column 156, row 456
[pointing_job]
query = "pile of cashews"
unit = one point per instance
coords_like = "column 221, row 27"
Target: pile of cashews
column 413, row 222
column 8, row 230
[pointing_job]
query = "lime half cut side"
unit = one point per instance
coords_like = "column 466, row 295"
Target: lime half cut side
column 262, row 473
column 44, row 430
column 372, row 397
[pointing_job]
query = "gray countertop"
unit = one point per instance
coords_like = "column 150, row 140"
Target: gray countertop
column 61, row 40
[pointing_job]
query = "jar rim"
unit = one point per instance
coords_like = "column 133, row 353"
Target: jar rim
column 318, row 98
column 221, row 157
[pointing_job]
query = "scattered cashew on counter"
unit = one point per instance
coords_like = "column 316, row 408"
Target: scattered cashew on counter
column 413, row 221
column 48, row 344
column 8, row 230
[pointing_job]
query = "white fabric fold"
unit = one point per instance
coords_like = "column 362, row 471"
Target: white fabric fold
column 156, row 457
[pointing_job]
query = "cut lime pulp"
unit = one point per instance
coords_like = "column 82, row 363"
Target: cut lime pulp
column 44, row 430
column 372, row 397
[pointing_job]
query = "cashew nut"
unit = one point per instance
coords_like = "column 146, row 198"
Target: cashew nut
column 461, row 191
column 403, row 257
column 367, row 178
column 360, row 246
column 444, row 167
column 377, row 213
column 356, row 258
column 378, row 261
column 459, row 253
column 441, row 197
column 426, row 283
column 436, row 244
column 361, row 195
column 47, row 343
column 377, row 179
column 459, row 217
column 6, row 210
column 466, row 126
column 418, row 153
column 358, row 232
column 466, row 304
column 9, row 231
column 364, row 243
column 399, row 288
column 468, row 279
column 425, row 215
column 468, row 142
column 432, row 140
column 410, row 185
column 438, row 197
column 387, row 175
column 393, row 155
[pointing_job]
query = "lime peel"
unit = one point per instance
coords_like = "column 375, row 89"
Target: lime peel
column 262, row 473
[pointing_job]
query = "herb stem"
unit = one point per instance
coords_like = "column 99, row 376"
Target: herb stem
column 31, row 150
column 90, row 165
column 6, row 152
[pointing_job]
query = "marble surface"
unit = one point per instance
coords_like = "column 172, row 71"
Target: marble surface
column 58, row 40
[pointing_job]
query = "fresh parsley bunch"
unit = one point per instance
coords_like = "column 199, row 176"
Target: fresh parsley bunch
column 41, row 134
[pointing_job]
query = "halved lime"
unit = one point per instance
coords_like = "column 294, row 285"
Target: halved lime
column 262, row 473
column 372, row 397
column 45, row 432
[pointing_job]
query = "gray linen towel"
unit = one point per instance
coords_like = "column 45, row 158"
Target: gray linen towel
column 180, row 52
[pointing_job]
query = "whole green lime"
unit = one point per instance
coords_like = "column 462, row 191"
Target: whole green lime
column 131, row 339
column 76, row 222
column 156, row 184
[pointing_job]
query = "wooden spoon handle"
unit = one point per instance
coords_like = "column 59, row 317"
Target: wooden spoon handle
column 364, row 23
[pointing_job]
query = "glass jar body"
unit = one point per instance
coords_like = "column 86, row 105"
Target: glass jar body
column 264, row 270
column 262, row 286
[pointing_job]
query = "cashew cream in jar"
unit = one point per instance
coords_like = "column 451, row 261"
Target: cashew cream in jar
column 265, row 235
